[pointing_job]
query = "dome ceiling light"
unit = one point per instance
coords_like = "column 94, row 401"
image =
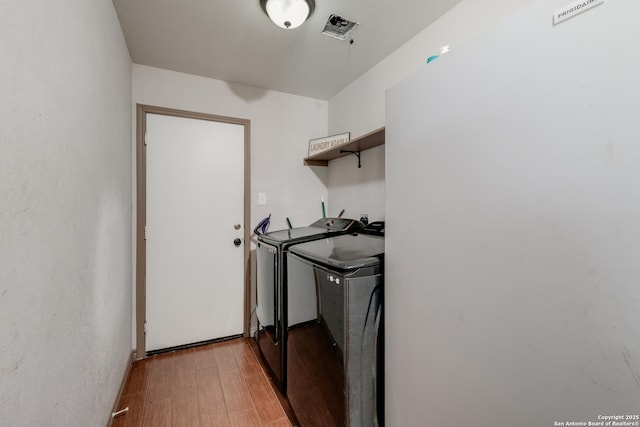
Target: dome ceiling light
column 288, row 14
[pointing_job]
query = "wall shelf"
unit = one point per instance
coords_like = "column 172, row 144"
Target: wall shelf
column 364, row 142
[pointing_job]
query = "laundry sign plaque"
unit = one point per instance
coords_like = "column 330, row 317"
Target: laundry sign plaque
column 573, row 9
column 320, row 145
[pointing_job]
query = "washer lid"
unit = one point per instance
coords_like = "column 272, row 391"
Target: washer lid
column 346, row 252
column 321, row 228
column 292, row 235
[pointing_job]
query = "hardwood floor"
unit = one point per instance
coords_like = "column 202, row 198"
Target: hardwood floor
column 216, row 385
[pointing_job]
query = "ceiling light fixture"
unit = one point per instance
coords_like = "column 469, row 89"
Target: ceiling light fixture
column 288, row 14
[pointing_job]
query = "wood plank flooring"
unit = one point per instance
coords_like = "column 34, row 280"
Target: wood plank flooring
column 216, row 385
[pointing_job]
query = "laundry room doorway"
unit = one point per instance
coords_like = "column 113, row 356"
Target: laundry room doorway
column 192, row 275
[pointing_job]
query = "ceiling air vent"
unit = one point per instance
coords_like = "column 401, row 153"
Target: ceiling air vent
column 339, row 27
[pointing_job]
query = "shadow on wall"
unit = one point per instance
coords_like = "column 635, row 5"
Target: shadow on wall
column 321, row 172
column 248, row 93
column 345, row 171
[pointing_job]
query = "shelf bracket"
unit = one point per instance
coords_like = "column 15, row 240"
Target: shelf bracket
column 355, row 153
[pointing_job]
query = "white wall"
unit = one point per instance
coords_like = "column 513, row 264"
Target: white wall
column 358, row 191
column 281, row 126
column 65, row 212
column 513, row 301
column 360, row 107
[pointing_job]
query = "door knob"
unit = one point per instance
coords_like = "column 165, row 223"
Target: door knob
column 237, row 226
column 237, row 242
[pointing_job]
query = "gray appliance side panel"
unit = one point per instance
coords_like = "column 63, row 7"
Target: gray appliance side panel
column 363, row 295
column 265, row 284
column 331, row 305
column 348, row 308
column 268, row 311
column 302, row 305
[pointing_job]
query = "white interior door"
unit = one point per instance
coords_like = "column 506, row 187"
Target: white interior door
column 195, row 210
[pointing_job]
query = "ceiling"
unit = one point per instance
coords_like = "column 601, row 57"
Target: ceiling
column 234, row 41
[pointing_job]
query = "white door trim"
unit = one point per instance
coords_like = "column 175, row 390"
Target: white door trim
column 141, row 171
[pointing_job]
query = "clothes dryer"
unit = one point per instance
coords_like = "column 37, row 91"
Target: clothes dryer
column 335, row 362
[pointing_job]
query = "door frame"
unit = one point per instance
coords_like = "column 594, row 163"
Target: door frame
column 141, row 183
